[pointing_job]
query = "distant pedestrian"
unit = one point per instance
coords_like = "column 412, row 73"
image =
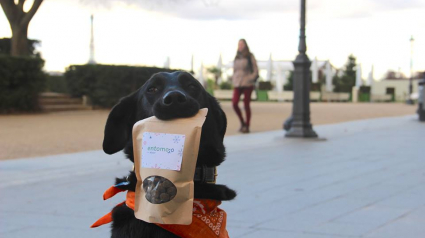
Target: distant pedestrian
column 245, row 74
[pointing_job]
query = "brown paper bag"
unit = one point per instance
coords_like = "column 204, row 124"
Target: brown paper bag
column 165, row 155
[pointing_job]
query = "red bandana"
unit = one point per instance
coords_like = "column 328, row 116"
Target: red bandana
column 208, row 220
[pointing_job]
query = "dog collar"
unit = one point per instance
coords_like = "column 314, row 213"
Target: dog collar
column 205, row 174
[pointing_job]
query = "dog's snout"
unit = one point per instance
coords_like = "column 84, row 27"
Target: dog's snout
column 174, row 97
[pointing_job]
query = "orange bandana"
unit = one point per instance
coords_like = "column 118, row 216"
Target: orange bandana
column 208, row 220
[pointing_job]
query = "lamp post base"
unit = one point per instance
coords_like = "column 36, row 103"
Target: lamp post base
column 299, row 122
column 421, row 112
column 305, row 131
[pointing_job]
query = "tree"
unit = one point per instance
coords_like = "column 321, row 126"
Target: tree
column 346, row 82
column 216, row 72
column 289, row 86
column 19, row 21
column 420, row 75
column 391, row 74
column 5, row 44
column 290, row 83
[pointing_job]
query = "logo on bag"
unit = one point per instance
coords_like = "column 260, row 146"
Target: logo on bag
column 161, row 149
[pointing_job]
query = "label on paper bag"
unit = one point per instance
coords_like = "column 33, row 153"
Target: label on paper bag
column 162, row 150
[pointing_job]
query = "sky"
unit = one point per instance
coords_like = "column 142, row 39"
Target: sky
column 146, row 32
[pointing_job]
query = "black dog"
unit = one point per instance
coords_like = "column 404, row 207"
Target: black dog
column 166, row 96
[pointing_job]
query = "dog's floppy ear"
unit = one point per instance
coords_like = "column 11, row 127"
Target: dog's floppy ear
column 120, row 124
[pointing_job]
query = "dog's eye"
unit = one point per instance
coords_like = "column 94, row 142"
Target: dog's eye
column 192, row 86
column 152, row 89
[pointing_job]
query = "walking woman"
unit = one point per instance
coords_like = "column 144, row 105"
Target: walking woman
column 245, row 74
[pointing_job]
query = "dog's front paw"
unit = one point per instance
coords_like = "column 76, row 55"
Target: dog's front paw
column 214, row 191
column 228, row 194
column 127, row 183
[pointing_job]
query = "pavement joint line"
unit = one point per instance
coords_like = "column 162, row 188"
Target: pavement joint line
column 316, row 204
column 47, row 226
column 256, row 147
column 389, row 196
column 307, row 232
column 330, row 234
column 328, row 200
column 322, row 202
column 45, row 213
column 361, row 175
column 339, row 182
column 15, row 230
column 319, row 176
column 389, row 222
column 54, row 173
column 381, row 182
column 371, row 204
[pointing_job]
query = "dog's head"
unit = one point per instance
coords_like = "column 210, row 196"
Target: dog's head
column 167, row 96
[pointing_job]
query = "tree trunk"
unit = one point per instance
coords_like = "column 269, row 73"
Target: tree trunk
column 19, row 22
column 19, row 40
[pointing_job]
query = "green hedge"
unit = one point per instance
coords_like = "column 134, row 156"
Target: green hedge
column 56, row 83
column 106, row 84
column 21, row 80
column 226, row 85
column 315, row 87
column 5, row 47
column 265, row 86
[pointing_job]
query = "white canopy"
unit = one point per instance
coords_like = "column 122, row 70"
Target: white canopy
column 370, row 78
column 191, row 64
column 201, row 74
column 315, row 71
column 167, row 63
column 269, row 68
column 359, row 81
column 329, row 77
column 219, row 67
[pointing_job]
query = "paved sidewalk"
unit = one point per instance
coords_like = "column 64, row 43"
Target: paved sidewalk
column 366, row 180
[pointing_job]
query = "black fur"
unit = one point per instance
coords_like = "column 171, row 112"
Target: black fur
column 167, row 96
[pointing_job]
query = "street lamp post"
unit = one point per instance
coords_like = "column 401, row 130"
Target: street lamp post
column 409, row 99
column 300, row 125
column 91, row 59
column 421, row 99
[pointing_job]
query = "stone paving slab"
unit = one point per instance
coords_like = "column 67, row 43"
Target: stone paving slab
column 367, row 179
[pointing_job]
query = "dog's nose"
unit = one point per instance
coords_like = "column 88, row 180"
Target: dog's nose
column 174, row 97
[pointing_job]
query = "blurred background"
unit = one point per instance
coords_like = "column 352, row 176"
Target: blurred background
column 65, row 63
